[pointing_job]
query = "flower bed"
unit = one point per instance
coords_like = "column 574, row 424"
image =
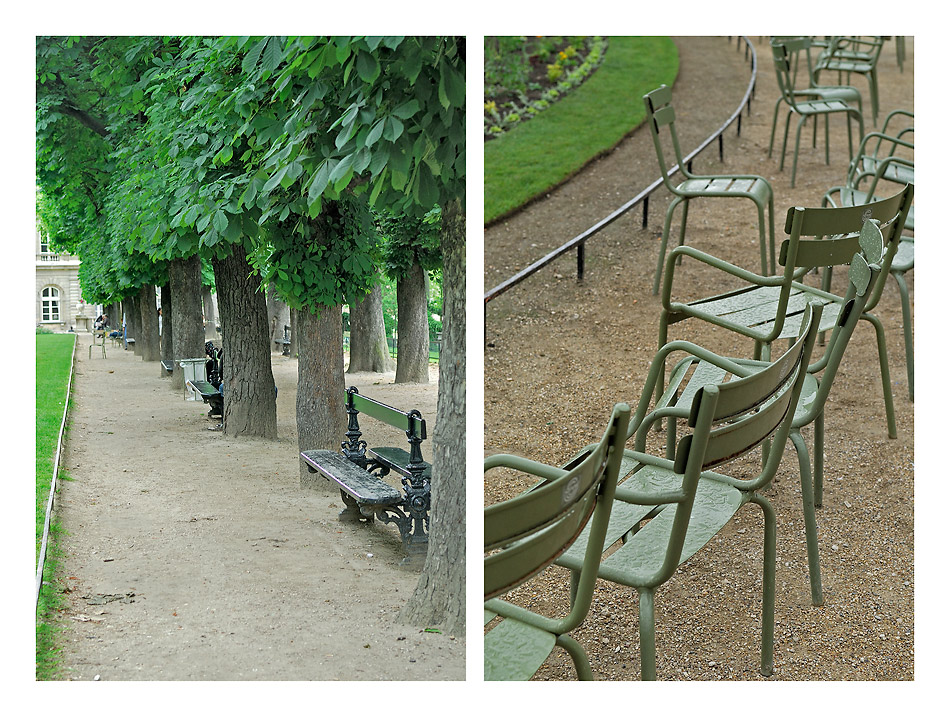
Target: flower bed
column 524, row 76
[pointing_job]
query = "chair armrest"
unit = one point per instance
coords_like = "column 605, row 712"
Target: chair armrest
column 525, row 465
column 724, row 266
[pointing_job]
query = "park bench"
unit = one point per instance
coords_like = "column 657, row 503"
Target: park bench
column 169, row 366
column 210, row 390
column 358, row 470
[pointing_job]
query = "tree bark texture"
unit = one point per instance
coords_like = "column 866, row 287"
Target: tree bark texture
column 439, row 597
column 187, row 329
column 150, row 350
column 368, row 348
column 293, row 332
column 166, row 328
column 321, row 417
column 250, row 403
column 412, row 327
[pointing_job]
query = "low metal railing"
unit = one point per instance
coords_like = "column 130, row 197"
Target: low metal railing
column 642, row 198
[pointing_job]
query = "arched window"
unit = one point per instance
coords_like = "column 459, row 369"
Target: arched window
column 50, row 308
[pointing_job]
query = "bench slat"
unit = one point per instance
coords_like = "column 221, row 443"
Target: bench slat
column 397, row 459
column 387, row 414
column 362, row 485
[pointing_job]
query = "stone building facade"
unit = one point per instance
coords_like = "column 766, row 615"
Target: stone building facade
column 59, row 302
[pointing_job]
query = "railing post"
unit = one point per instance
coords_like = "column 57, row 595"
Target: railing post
column 580, row 261
column 646, row 207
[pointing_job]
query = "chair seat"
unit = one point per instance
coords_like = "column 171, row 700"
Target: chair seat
column 726, row 186
column 515, row 650
column 904, row 258
column 825, row 106
column 754, row 309
column 894, row 172
column 642, row 554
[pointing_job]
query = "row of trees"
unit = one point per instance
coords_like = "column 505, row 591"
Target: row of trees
column 277, row 162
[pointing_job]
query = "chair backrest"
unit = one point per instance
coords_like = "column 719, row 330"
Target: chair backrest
column 830, row 236
column 661, row 118
column 863, row 275
column 730, row 419
column 527, row 533
column 785, row 52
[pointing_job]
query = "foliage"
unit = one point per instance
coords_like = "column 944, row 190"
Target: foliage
column 589, row 121
column 410, row 240
column 197, row 144
column 552, row 67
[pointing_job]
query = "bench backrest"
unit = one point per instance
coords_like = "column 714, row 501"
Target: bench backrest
column 411, row 422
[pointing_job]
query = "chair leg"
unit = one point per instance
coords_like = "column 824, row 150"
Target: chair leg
column 663, row 242
column 682, row 240
column 885, row 373
column 581, row 662
column 819, row 478
column 908, row 331
column 774, row 125
column 647, row 636
column 798, row 137
column 811, row 523
column 768, row 587
column 788, row 120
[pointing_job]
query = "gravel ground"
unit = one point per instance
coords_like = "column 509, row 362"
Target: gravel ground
column 559, row 354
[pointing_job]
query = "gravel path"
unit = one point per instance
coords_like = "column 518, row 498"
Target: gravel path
column 559, row 354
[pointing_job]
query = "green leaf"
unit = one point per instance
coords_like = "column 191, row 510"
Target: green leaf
column 407, row 109
column 375, row 132
column 275, row 179
column 251, row 58
column 220, row 221
column 320, row 179
column 367, row 67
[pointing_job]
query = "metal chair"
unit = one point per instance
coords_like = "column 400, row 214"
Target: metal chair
column 857, row 54
column 885, row 156
column 784, row 52
column 668, row 508
column 525, row 534
column 660, row 115
column 768, row 308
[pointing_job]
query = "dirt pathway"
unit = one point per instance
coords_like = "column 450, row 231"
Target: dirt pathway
column 193, row 556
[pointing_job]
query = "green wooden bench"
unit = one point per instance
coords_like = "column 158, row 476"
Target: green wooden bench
column 210, row 395
column 358, row 470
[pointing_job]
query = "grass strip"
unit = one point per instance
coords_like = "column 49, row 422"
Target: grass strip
column 53, row 363
column 540, row 154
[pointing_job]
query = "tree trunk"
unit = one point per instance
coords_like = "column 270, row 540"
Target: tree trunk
column 250, row 403
column 293, row 332
column 207, row 305
column 187, row 330
column 368, row 348
column 166, row 328
column 412, row 327
column 133, row 321
column 439, row 597
column 321, row 418
column 150, row 350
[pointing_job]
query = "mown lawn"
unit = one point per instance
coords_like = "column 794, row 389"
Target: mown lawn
column 541, row 153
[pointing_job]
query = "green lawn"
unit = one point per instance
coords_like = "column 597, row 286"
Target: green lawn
column 53, row 361
column 543, row 152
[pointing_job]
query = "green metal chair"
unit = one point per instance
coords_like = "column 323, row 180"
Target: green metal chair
column 799, row 47
column 768, row 308
column 884, row 157
column 857, row 54
column 864, row 275
column 525, row 534
column 667, row 509
column 661, row 117
column 784, row 52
